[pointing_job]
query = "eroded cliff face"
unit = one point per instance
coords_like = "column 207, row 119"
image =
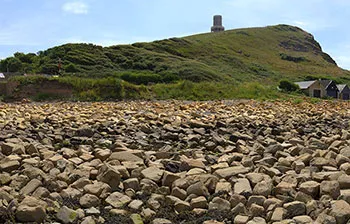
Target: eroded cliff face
column 49, row 89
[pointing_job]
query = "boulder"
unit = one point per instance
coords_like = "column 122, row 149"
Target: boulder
column 89, row 200
column 340, row 210
column 109, row 175
column 242, row 187
column 67, row 215
column 219, row 204
column 331, row 188
column 295, row 208
column 152, row 173
column 311, row 188
column 118, row 200
column 31, row 210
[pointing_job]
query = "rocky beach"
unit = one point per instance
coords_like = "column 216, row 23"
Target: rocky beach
column 175, row 162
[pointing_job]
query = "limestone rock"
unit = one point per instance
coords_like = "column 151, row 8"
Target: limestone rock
column 219, row 204
column 118, row 200
column 67, row 215
column 152, row 173
column 295, row 208
column 109, row 175
column 89, row 200
column 311, row 188
column 31, row 210
column 341, row 211
column 331, row 188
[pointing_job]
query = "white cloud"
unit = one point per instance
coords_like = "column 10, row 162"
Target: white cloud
column 76, row 7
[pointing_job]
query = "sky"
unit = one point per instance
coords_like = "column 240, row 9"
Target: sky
column 35, row 25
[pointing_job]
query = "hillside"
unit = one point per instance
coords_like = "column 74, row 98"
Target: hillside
column 265, row 54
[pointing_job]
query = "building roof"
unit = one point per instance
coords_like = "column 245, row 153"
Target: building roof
column 325, row 83
column 305, row 84
column 341, row 87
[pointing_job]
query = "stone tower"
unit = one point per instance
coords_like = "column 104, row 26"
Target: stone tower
column 217, row 26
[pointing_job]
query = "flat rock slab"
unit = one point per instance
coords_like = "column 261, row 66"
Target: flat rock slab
column 125, row 156
column 226, row 173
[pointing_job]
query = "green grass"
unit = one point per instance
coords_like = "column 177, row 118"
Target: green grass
column 187, row 90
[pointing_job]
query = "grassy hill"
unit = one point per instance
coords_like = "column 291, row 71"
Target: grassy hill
column 222, row 64
column 264, row 54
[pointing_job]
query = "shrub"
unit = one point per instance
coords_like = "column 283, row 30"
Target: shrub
column 141, row 78
column 288, row 86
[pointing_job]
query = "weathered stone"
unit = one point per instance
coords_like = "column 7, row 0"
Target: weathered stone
column 179, row 193
column 124, row 156
column 263, row 188
column 5, row 178
column 344, row 181
column 257, row 220
column 341, row 211
column 30, row 187
column 325, row 219
column 132, row 183
column 152, row 173
column 9, row 166
column 169, row 178
column 240, row 219
column 66, row 215
column 135, row 204
column 331, row 188
column 278, row 214
column 256, row 199
column 31, row 210
column 136, row 219
column 148, row 213
column 182, row 206
column 98, row 188
column 284, row 188
column 223, row 187
column 242, row 187
column 118, row 200
column 311, row 188
column 304, row 219
column 161, row 221
column 199, row 202
column 109, row 175
column 295, row 208
column 89, row 200
column 88, row 220
column 256, row 210
column 219, row 204
column 226, row 173
column 198, row 189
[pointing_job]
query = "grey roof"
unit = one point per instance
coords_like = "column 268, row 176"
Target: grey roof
column 325, row 83
column 305, row 84
column 341, row 87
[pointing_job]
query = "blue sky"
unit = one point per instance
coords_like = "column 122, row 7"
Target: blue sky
column 33, row 25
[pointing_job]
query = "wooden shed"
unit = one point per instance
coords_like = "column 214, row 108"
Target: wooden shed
column 344, row 91
column 312, row 88
column 330, row 87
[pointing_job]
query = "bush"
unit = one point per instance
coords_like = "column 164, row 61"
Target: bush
column 288, row 86
column 141, row 78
